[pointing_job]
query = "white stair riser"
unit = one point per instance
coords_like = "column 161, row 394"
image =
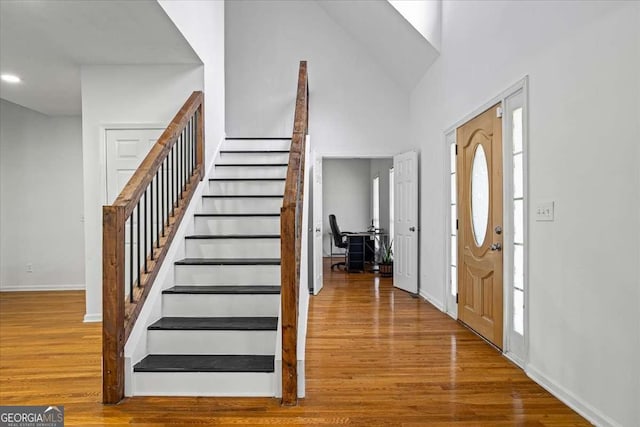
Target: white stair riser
column 250, row 172
column 211, row 342
column 257, row 384
column 256, row 144
column 220, row 305
column 221, row 188
column 227, row 275
column 235, row 158
column 241, row 205
column 233, row 248
column 237, row 225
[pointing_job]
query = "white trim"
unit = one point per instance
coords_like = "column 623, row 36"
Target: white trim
column 520, row 84
column 449, row 139
column 42, row 287
column 592, row 414
column 103, row 128
column 92, row 317
column 431, row 299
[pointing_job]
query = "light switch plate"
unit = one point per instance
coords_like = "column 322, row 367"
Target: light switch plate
column 544, row 211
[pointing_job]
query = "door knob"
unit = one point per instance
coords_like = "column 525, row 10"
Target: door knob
column 317, row 230
column 496, row 247
column 412, row 229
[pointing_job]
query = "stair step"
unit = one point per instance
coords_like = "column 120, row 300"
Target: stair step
column 241, row 204
column 253, row 151
column 260, row 156
column 228, row 261
column 250, row 170
column 256, row 138
column 242, row 196
column 236, row 215
column 205, row 363
column 216, row 324
column 233, row 236
column 247, row 179
column 223, row 290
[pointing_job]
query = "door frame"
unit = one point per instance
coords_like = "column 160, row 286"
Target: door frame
column 520, row 88
column 103, row 128
column 339, row 156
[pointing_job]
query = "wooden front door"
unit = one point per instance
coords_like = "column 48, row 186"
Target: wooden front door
column 480, row 237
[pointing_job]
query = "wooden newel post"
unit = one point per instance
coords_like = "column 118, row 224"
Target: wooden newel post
column 289, row 307
column 113, row 264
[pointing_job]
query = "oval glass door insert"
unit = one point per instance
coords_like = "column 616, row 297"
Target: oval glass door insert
column 479, row 195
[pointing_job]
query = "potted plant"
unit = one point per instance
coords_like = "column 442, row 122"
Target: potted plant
column 386, row 259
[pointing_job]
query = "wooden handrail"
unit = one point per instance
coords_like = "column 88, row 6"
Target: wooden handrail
column 290, row 241
column 171, row 171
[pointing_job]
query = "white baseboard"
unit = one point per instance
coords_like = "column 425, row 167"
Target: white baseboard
column 42, row 287
column 592, row 415
column 431, row 300
column 92, row 317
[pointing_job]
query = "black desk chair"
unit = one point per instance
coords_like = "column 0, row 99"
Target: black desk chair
column 339, row 239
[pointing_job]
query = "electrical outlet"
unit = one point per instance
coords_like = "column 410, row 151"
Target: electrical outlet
column 545, row 211
column 29, row 268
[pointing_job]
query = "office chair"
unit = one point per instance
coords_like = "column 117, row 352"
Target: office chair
column 339, row 239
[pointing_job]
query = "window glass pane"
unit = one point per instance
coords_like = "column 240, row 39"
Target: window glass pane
column 453, row 158
column 518, row 267
column 454, row 281
column 454, row 250
column 479, row 195
column 518, row 181
column 453, row 189
column 517, row 130
column 518, row 312
column 518, row 221
column 453, row 220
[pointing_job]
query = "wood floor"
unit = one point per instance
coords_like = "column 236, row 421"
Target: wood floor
column 376, row 356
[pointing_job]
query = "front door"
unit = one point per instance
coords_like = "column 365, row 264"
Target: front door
column 480, row 237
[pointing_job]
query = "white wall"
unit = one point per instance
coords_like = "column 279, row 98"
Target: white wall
column 202, row 25
column 355, row 108
column 111, row 95
column 40, row 200
column 346, row 193
column 584, row 70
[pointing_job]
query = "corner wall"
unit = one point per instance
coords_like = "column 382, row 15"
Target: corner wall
column 355, row 108
column 584, row 113
column 40, row 200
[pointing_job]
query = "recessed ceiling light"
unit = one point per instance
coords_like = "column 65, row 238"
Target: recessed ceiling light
column 10, row 78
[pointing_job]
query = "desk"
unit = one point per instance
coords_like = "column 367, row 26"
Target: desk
column 362, row 249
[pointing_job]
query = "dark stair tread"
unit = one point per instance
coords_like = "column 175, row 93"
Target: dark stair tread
column 253, row 151
column 220, row 215
column 223, row 290
column 233, row 236
column 205, row 363
column 252, row 164
column 247, row 179
column 243, row 196
column 215, row 324
column 249, row 138
column 228, row 261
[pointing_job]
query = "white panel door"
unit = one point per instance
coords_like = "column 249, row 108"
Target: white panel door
column 317, row 225
column 126, row 148
column 405, row 238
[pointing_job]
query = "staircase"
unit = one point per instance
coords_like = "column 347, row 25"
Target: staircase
column 217, row 331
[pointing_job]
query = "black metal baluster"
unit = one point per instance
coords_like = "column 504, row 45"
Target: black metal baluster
column 146, row 214
column 164, row 207
column 173, row 171
column 131, row 258
column 184, row 158
column 138, row 265
column 151, row 227
column 180, row 166
column 158, row 209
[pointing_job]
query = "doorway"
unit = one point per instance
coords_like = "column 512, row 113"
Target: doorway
column 511, row 105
